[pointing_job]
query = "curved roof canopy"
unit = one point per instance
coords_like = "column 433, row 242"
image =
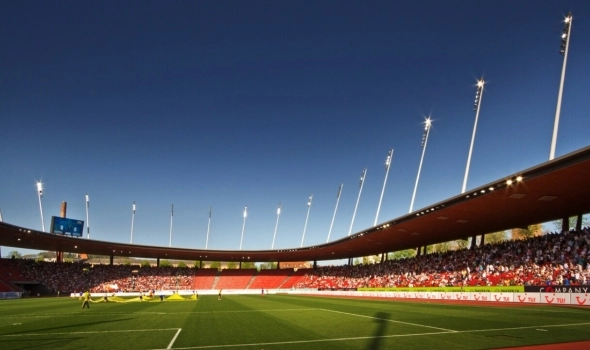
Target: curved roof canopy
column 550, row 191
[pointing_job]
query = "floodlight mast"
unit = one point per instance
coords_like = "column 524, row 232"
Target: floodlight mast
column 387, row 166
column 427, row 125
column 87, row 220
column 40, row 194
column 565, row 40
column 476, row 108
column 208, row 227
column 132, row 221
column 363, row 174
column 307, row 217
column 276, row 226
column 335, row 209
column 244, row 225
column 171, row 217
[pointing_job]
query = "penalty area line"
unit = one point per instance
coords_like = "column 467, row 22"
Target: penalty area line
column 92, row 332
column 174, row 339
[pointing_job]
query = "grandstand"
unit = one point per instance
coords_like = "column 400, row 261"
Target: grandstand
column 555, row 190
column 559, row 259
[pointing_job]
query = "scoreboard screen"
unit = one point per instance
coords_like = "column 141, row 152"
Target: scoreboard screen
column 65, row 226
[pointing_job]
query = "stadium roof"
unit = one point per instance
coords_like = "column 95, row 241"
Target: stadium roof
column 550, row 191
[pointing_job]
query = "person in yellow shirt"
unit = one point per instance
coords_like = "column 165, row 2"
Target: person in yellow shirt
column 86, row 298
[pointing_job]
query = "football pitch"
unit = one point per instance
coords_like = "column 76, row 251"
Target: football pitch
column 283, row 322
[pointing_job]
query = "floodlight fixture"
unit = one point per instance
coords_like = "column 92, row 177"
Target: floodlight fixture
column 208, row 228
column 427, row 125
column 87, row 219
column 306, row 217
column 276, row 226
column 132, row 221
column 476, row 109
column 387, row 166
column 335, row 209
column 244, row 225
column 363, row 175
column 564, row 47
column 39, row 195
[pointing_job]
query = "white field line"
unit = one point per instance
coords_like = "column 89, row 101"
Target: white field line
column 91, row 332
column 155, row 313
column 394, row 321
column 174, row 339
column 375, row 337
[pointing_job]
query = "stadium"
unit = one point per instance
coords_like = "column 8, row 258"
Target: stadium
column 545, row 269
column 469, row 269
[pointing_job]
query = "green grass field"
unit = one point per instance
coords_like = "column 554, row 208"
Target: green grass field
column 282, row 322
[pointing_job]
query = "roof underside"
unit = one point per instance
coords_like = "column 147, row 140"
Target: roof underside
column 551, row 191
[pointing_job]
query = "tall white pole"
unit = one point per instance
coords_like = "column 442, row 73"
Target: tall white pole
column 427, row 123
column 171, row 217
column 363, row 174
column 40, row 194
column 208, row 227
column 87, row 219
column 335, row 209
column 276, row 227
column 244, row 225
column 307, row 217
column 132, row 221
column 476, row 108
column 387, row 166
column 1, row 220
column 565, row 39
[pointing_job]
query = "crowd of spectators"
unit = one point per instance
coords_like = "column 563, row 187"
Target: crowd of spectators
column 550, row 259
column 72, row 277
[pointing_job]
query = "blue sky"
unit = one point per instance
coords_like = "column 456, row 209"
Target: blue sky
column 234, row 103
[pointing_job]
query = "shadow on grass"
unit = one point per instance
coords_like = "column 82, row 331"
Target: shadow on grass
column 381, row 320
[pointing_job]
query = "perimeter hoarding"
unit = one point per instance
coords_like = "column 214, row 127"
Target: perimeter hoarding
column 68, row 227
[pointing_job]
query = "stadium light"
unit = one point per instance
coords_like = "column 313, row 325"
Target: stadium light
column 476, row 108
column 387, row 166
column 244, row 225
column 335, row 209
column 307, row 217
column 40, row 194
column 171, row 217
column 276, row 226
column 208, row 227
column 132, row 221
column 565, row 39
column 87, row 220
column 427, row 125
column 363, row 175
